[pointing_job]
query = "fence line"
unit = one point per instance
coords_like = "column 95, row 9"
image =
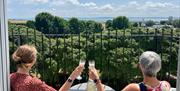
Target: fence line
column 58, row 51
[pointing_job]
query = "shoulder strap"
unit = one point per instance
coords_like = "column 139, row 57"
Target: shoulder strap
column 142, row 87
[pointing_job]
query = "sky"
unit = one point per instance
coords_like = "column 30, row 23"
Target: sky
column 28, row 9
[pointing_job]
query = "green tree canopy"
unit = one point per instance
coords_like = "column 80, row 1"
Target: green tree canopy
column 176, row 23
column 43, row 22
column 109, row 23
column 163, row 22
column 170, row 20
column 90, row 26
column 74, row 25
column 120, row 22
column 98, row 27
column 82, row 25
column 150, row 23
column 59, row 25
column 135, row 24
column 30, row 24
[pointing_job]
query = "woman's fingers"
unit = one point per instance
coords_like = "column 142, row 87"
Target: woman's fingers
column 93, row 74
column 78, row 70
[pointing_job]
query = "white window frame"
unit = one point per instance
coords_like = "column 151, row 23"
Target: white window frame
column 4, row 48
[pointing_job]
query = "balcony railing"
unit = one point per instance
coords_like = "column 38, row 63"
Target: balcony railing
column 115, row 52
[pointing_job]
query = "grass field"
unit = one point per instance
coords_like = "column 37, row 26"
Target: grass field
column 17, row 21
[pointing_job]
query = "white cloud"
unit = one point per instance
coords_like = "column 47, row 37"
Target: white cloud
column 75, row 2
column 63, row 2
column 107, row 7
column 57, row 2
column 135, row 8
column 90, row 4
column 54, row 9
column 36, row 11
column 41, row 1
column 158, row 5
column 132, row 8
column 34, row 1
column 134, row 3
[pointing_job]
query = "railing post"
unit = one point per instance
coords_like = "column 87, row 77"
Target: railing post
column 178, row 71
column 4, row 48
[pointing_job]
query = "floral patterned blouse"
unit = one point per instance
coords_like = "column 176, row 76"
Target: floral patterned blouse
column 24, row 82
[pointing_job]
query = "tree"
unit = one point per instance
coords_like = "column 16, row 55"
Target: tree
column 59, row 25
column 150, row 23
column 90, row 26
column 163, row 22
column 140, row 24
column 30, row 24
column 82, row 25
column 120, row 22
column 74, row 25
column 170, row 20
column 44, row 22
column 176, row 23
column 109, row 23
column 135, row 24
column 98, row 27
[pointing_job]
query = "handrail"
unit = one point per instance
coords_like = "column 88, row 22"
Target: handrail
column 103, row 35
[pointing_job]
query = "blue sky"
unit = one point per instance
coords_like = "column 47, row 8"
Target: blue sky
column 27, row 9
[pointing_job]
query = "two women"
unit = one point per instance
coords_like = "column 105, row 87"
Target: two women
column 25, row 58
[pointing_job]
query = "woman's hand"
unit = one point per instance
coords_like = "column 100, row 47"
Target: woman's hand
column 93, row 74
column 73, row 76
column 77, row 72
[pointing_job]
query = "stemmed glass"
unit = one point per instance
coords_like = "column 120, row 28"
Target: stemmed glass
column 91, row 64
column 81, row 62
column 90, row 84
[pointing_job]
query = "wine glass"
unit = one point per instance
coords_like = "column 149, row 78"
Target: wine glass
column 91, row 64
column 81, row 62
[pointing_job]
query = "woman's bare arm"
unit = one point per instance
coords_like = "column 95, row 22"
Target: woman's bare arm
column 67, row 85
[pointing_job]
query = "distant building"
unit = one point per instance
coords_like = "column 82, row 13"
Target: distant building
column 162, row 26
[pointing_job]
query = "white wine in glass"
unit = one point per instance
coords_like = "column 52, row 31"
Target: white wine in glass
column 90, row 85
column 91, row 64
column 81, row 62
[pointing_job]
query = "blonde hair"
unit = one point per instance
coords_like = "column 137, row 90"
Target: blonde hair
column 24, row 55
